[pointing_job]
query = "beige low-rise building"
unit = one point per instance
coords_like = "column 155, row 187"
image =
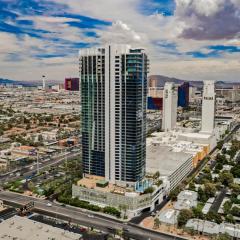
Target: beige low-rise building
column 3, row 164
column 96, row 190
column 24, row 151
column 22, row 228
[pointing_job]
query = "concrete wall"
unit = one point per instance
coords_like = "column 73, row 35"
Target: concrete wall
column 134, row 204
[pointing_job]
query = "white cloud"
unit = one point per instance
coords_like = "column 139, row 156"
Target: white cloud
column 18, row 61
column 32, row 69
column 48, row 19
column 236, row 2
column 8, row 43
column 111, row 10
column 235, row 42
column 200, row 69
column 119, row 32
column 195, row 25
column 209, row 19
column 208, row 7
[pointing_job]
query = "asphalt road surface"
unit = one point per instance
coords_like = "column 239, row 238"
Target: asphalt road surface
column 82, row 217
column 54, row 161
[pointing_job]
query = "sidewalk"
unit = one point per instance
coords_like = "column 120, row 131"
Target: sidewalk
column 83, row 210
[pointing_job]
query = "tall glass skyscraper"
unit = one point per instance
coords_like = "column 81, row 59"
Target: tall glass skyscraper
column 113, row 97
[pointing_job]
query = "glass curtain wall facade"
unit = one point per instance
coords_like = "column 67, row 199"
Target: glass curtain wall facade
column 113, row 98
column 92, row 113
column 183, row 95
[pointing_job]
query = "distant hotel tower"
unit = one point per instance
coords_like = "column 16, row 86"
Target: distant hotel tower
column 183, row 95
column 170, row 99
column 208, row 107
column 113, row 97
column 71, row 84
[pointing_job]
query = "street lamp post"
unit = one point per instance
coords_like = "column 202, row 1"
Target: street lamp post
column 66, row 159
column 37, row 163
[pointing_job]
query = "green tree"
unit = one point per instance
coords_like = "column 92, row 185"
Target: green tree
column 220, row 145
column 149, row 190
column 28, row 126
column 227, row 207
column 224, row 151
column 159, row 182
column 226, row 178
column 224, row 236
column 25, row 120
column 215, row 217
column 174, row 193
column 234, row 148
column 210, row 189
column 229, row 218
column 112, row 211
column 184, row 216
column 218, row 185
column 220, row 158
column 192, row 186
column 219, row 166
column 123, row 207
column 157, row 222
column 235, row 211
column 40, row 138
column 156, row 175
column 207, row 170
column 1, row 131
column 197, row 211
column 235, row 188
column 31, row 186
column 236, row 171
column 49, row 118
column 119, row 232
column 202, row 197
column 206, row 178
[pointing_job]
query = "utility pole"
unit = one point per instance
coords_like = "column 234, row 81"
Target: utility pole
column 66, row 161
column 37, row 163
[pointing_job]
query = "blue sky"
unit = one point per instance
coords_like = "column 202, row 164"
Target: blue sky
column 184, row 38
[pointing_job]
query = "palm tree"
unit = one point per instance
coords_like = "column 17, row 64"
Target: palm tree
column 123, row 207
column 157, row 222
column 156, row 175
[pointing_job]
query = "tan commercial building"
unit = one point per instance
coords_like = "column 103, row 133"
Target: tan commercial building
column 21, row 228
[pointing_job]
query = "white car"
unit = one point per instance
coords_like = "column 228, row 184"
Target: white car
column 49, row 204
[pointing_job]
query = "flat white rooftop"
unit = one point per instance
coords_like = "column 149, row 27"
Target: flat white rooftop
column 169, row 216
column 20, row 228
column 163, row 159
column 196, row 135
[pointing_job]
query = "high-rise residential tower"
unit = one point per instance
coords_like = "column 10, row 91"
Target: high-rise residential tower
column 113, row 97
column 170, row 99
column 208, row 107
column 71, row 84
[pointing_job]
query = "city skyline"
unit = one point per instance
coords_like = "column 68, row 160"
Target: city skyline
column 192, row 40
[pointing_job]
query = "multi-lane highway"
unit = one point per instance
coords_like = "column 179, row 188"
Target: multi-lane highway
column 85, row 218
column 51, row 162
